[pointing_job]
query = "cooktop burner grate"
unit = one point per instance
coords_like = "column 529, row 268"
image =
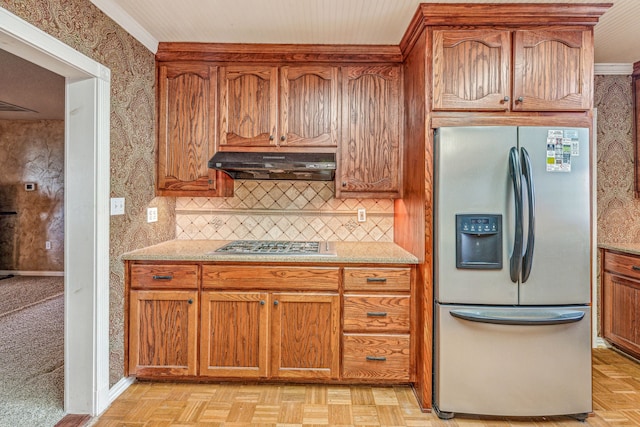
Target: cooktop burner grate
column 275, row 247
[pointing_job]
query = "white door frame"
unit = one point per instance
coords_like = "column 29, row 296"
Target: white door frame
column 86, row 209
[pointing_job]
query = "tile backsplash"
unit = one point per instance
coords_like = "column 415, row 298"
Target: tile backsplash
column 284, row 210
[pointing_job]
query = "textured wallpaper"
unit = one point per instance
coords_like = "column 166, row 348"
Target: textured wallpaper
column 618, row 209
column 85, row 28
column 32, row 151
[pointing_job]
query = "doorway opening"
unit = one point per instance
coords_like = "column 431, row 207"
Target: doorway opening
column 86, row 209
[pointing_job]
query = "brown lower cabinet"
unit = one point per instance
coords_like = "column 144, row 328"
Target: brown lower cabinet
column 269, row 322
column 621, row 300
column 261, row 334
column 168, row 318
column 377, row 324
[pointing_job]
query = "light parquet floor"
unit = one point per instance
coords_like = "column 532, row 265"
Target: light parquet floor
column 616, row 402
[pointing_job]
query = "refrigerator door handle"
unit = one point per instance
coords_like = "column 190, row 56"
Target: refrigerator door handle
column 527, row 259
column 545, row 317
column 515, row 264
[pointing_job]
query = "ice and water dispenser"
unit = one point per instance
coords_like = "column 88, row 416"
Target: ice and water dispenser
column 479, row 241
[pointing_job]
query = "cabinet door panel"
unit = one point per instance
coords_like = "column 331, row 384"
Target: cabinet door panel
column 471, row 69
column 163, row 335
column 309, row 106
column 621, row 312
column 248, row 104
column 552, row 70
column 233, row 340
column 306, row 335
column 186, row 130
column 370, row 152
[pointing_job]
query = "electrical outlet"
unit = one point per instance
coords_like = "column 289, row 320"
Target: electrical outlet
column 152, row 214
column 117, row 206
column 362, row 215
column 47, row 245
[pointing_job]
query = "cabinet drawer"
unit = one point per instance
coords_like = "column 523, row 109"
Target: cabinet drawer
column 627, row 265
column 160, row 276
column 376, row 313
column 373, row 279
column 280, row 278
column 376, row 357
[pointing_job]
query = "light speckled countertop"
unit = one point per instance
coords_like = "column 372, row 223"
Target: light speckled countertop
column 631, row 248
column 203, row 250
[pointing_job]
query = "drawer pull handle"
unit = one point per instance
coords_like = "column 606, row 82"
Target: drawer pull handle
column 376, row 313
column 162, row 277
column 376, row 279
column 377, row 358
column 636, row 267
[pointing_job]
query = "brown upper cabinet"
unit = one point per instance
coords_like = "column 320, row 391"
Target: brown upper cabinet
column 305, row 114
column 522, row 70
column 343, row 99
column 186, row 101
column 371, row 147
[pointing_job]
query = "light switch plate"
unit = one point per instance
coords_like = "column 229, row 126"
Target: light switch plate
column 152, row 214
column 117, row 206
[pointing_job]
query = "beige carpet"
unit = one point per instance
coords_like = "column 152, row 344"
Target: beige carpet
column 32, row 359
column 19, row 292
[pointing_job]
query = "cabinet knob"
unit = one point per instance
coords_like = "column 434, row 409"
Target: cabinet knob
column 520, row 99
column 282, row 138
column 190, row 301
column 270, row 137
column 344, row 184
column 506, row 99
column 262, row 302
column 276, row 302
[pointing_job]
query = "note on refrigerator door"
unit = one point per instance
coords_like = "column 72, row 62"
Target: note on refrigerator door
column 572, row 136
column 560, row 148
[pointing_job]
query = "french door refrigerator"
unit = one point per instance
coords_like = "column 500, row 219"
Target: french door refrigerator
column 512, row 272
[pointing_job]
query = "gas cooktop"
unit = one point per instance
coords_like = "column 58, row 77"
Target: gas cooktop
column 277, row 247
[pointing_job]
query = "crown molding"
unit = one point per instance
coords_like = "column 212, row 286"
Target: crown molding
column 122, row 18
column 613, row 69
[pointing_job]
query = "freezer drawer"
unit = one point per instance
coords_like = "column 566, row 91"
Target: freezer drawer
column 513, row 361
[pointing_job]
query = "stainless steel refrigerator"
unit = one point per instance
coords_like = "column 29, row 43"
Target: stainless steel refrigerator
column 512, row 276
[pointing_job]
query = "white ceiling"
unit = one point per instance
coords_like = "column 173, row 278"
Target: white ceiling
column 31, row 87
column 617, row 39
column 328, row 22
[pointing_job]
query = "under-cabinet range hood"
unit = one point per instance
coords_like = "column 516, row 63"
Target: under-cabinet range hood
column 289, row 166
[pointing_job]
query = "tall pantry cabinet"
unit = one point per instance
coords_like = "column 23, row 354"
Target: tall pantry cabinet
column 481, row 65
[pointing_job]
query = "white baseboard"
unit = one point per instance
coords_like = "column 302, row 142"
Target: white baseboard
column 120, row 387
column 599, row 342
column 30, row 273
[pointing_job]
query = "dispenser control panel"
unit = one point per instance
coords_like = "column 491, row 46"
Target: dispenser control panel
column 479, row 241
column 479, row 224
